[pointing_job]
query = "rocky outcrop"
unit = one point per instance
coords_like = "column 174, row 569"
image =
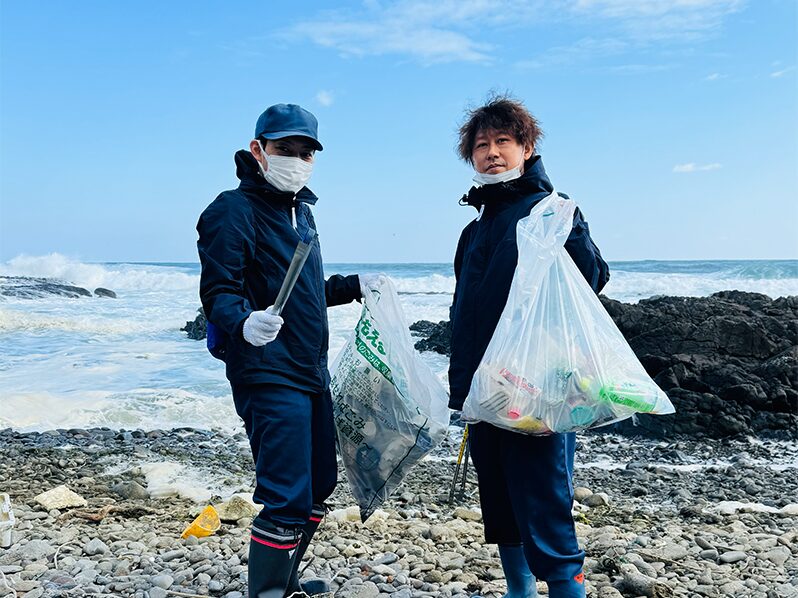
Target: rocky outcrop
column 729, row 362
column 198, row 329
column 101, row 292
column 27, row 287
column 434, row 337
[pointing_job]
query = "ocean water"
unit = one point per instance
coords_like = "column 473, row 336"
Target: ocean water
column 123, row 363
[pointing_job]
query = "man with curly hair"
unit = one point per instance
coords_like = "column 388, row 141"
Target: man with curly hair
column 525, row 482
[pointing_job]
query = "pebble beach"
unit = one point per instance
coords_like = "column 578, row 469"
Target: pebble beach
column 693, row 518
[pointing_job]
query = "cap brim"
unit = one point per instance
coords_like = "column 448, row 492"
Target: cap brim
column 284, row 134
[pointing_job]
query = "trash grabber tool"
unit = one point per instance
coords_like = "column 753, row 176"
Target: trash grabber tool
column 463, row 445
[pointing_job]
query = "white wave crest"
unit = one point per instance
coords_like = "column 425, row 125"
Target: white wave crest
column 15, row 321
column 633, row 286
column 142, row 408
column 117, row 277
column 434, row 284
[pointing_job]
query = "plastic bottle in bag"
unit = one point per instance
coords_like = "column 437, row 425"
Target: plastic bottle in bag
column 642, row 398
column 389, row 408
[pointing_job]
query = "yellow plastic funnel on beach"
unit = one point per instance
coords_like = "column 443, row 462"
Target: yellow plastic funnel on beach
column 205, row 524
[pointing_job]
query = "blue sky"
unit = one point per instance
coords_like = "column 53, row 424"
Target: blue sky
column 674, row 124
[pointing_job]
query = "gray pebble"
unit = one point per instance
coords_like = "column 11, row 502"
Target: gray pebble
column 215, row 586
column 673, row 552
column 172, row 555
column 733, row 556
column 35, row 550
column 95, row 547
column 703, row 543
column 600, row 499
column 130, row 491
column 387, row 558
column 162, row 581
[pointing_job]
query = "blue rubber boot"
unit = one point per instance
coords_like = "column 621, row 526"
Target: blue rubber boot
column 569, row 588
column 520, row 581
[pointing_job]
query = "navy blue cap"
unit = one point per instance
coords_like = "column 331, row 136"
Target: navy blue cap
column 287, row 120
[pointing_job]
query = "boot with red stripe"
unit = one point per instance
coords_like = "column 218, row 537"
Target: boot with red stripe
column 309, row 587
column 272, row 554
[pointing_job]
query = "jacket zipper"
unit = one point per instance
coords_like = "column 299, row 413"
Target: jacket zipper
column 317, row 274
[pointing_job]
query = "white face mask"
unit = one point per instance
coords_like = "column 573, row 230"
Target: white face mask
column 285, row 172
column 483, row 178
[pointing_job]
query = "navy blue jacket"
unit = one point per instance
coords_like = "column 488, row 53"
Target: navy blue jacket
column 246, row 242
column 485, row 262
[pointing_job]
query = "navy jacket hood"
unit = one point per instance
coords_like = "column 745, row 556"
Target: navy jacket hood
column 485, row 262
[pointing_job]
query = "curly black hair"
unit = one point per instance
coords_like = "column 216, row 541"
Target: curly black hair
column 500, row 113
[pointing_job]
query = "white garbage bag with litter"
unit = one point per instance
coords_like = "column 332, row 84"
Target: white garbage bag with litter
column 556, row 361
column 390, row 408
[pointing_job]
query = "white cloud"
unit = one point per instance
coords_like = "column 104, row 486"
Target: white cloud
column 458, row 30
column 429, row 33
column 782, row 72
column 639, row 69
column 325, row 98
column 655, row 8
column 715, row 77
column 693, row 167
column 579, row 50
column 661, row 19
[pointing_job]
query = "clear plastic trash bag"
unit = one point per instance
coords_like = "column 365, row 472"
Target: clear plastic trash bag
column 390, row 408
column 556, row 361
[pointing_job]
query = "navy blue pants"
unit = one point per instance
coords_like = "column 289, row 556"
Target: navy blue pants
column 292, row 436
column 526, row 492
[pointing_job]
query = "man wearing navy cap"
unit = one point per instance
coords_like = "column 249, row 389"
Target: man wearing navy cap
column 276, row 364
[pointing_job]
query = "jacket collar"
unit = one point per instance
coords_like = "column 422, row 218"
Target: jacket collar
column 252, row 180
column 534, row 180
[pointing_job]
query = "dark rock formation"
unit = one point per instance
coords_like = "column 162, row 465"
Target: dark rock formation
column 729, row 362
column 435, row 337
column 198, row 329
column 28, row 287
column 101, row 292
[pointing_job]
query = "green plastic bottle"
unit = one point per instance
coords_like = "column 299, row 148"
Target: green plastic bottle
column 629, row 395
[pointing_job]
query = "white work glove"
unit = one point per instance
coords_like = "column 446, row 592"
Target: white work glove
column 261, row 327
column 371, row 282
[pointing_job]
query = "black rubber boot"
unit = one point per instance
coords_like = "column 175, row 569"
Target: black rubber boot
column 272, row 554
column 312, row 586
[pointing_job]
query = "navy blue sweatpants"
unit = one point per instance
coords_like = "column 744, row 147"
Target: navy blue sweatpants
column 526, row 493
column 292, row 436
